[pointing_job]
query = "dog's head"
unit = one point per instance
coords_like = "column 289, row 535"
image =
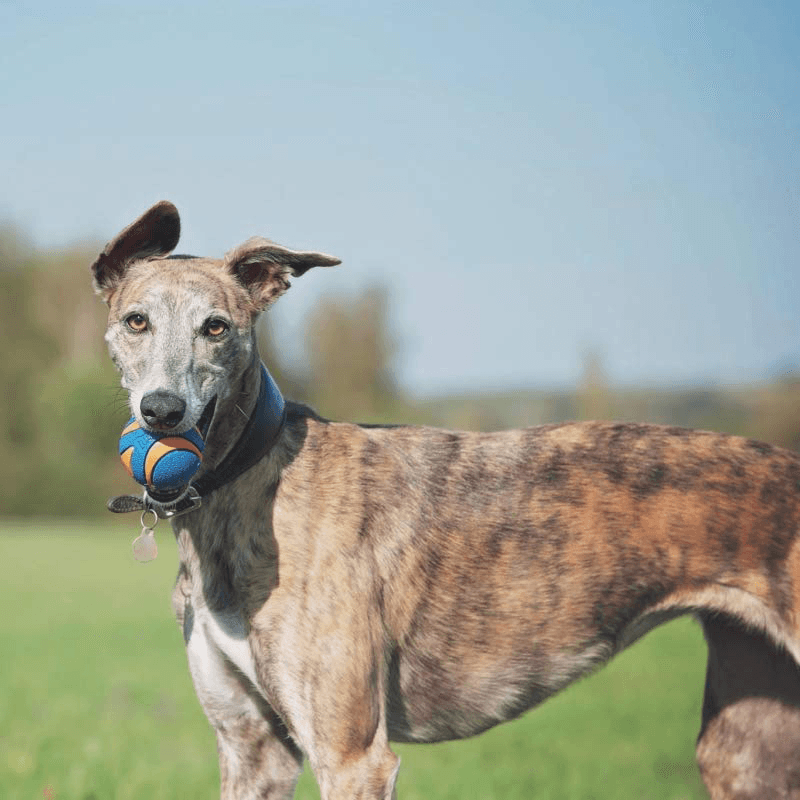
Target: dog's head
column 180, row 329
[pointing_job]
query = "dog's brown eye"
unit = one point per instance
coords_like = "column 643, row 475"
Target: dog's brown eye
column 216, row 327
column 136, row 322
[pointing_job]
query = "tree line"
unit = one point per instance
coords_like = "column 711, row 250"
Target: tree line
column 61, row 410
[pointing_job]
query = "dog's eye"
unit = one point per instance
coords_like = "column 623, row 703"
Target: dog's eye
column 136, row 322
column 215, row 327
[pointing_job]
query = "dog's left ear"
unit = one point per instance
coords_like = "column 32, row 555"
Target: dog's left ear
column 264, row 267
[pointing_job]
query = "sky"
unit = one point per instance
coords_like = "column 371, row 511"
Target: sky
column 531, row 181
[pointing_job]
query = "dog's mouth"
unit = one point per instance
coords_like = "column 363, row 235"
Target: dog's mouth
column 204, row 423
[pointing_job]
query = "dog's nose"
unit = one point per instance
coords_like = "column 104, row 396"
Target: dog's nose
column 162, row 409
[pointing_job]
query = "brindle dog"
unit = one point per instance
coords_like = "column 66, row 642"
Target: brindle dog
column 366, row 584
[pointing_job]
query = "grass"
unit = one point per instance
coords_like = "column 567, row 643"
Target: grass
column 96, row 700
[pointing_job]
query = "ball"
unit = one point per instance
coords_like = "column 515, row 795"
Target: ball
column 161, row 461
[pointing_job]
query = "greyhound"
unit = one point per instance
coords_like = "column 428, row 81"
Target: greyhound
column 342, row 586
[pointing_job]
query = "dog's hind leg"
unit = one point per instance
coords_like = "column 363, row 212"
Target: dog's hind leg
column 749, row 744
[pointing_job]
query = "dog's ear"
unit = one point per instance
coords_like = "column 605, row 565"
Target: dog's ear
column 155, row 233
column 264, row 267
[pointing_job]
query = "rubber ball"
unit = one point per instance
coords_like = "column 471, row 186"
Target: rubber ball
column 161, row 461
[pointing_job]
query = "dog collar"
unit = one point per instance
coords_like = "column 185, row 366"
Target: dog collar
column 257, row 439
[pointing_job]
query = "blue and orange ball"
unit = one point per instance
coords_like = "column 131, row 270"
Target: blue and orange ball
column 161, row 461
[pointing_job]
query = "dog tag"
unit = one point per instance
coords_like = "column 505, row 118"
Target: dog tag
column 144, row 545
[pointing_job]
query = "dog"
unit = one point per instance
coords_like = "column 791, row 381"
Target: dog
column 342, row 586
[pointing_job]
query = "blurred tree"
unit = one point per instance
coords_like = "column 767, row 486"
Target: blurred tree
column 477, row 415
column 58, row 426
column 290, row 381
column 67, row 308
column 775, row 416
column 26, row 350
column 594, row 398
column 350, row 355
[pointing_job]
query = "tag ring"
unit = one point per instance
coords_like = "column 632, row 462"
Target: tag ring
column 155, row 519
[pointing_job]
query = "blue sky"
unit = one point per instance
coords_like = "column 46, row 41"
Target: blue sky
column 530, row 180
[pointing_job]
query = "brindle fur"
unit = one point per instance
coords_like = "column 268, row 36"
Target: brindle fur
column 365, row 584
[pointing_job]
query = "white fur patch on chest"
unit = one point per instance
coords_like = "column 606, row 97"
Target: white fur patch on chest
column 227, row 634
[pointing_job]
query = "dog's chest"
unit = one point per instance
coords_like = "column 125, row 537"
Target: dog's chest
column 218, row 634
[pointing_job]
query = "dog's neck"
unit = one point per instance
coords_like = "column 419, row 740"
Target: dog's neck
column 232, row 416
column 253, row 430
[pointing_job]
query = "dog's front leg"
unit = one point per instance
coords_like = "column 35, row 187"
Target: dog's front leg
column 257, row 759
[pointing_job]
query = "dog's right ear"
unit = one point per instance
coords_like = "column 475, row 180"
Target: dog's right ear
column 155, row 233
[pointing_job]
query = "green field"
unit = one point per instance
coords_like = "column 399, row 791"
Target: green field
column 96, row 700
